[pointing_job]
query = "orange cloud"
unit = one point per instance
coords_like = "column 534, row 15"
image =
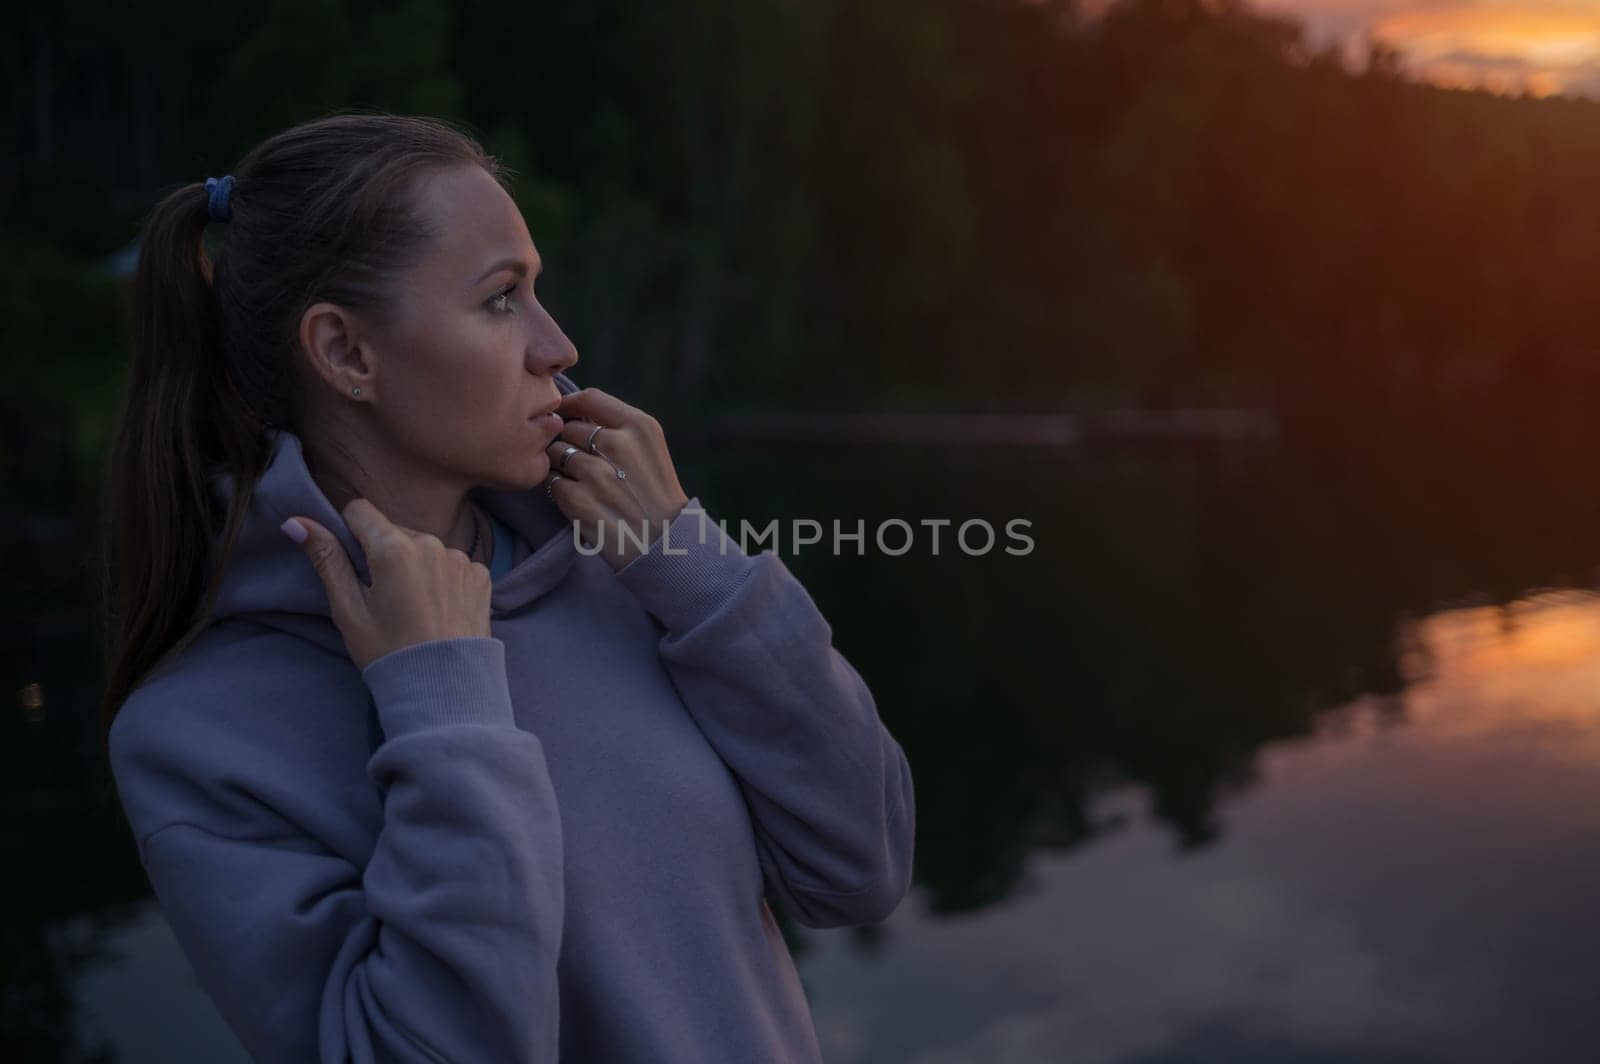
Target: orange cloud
column 1541, row 47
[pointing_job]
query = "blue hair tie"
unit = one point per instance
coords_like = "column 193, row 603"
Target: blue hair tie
column 221, row 190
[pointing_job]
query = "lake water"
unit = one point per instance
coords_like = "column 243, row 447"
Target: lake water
column 1254, row 757
column 1415, row 880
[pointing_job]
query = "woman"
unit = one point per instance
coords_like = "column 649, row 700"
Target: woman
column 414, row 775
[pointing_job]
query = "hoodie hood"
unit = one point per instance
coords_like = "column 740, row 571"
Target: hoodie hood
column 270, row 580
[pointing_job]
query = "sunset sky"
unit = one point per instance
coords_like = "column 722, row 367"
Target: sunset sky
column 1546, row 46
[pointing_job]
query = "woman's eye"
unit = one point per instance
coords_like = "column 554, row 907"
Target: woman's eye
column 504, row 293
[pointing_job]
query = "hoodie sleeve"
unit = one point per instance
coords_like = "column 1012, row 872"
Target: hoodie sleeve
column 443, row 947
column 828, row 787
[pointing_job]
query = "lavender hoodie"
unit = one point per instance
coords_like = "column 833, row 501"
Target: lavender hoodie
column 554, row 842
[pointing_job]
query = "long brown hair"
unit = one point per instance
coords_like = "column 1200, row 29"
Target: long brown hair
column 323, row 211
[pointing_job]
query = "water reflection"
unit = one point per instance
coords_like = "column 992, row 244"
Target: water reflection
column 1415, row 880
column 1259, row 756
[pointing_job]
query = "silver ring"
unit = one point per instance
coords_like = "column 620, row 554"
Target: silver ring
column 589, row 446
column 568, row 453
column 549, row 483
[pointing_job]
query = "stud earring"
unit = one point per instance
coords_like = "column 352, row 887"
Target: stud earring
column 355, row 391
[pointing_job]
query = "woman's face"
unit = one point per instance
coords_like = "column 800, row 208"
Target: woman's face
column 468, row 355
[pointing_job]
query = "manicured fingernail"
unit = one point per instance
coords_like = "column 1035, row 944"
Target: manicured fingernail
column 294, row 530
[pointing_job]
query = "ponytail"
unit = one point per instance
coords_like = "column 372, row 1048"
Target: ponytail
column 180, row 419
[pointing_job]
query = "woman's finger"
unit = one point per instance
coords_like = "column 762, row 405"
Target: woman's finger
column 578, row 433
column 347, row 598
column 581, row 465
column 601, row 407
column 562, row 451
column 614, row 444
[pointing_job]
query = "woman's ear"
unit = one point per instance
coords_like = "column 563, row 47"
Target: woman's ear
column 327, row 336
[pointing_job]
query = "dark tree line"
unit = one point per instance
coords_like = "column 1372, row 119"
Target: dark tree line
column 974, row 203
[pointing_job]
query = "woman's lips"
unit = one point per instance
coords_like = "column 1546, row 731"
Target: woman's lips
column 551, row 421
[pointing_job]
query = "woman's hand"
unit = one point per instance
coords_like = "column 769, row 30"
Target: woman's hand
column 589, row 490
column 421, row 590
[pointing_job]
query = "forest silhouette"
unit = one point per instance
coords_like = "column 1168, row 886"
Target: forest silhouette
column 978, row 204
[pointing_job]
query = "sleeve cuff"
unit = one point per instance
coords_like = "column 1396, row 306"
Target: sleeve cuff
column 688, row 571
column 441, row 681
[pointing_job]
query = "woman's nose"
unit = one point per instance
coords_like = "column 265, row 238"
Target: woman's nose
column 549, row 349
